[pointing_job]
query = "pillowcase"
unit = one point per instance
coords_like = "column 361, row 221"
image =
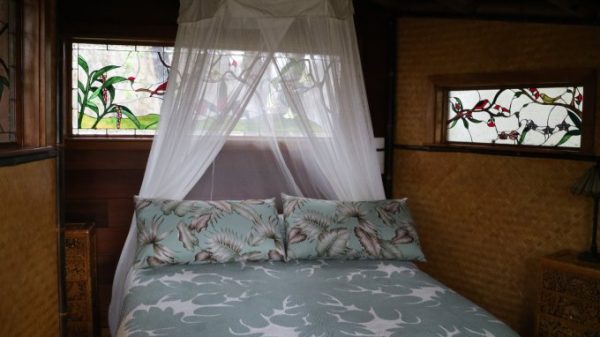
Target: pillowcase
column 193, row 231
column 350, row 230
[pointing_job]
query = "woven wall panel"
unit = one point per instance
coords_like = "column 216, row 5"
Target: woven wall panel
column 485, row 220
column 28, row 250
column 436, row 46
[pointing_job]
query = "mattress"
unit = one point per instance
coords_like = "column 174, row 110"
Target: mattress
column 307, row 298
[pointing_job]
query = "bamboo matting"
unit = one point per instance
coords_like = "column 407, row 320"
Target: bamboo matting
column 28, row 250
column 485, row 221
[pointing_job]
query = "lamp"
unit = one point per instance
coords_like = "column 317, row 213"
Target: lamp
column 589, row 184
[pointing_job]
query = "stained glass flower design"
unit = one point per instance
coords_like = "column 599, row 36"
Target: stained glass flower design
column 118, row 89
column 535, row 116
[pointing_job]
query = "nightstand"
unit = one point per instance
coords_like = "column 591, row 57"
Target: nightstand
column 80, row 276
column 569, row 298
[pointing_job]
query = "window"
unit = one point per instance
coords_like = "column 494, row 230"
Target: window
column 530, row 116
column 308, row 75
column 8, row 120
column 531, row 112
column 118, row 89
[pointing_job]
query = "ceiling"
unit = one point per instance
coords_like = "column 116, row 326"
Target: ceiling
column 558, row 11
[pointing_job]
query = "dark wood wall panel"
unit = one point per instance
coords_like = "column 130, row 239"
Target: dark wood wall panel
column 78, row 210
column 100, row 180
column 126, row 20
column 373, row 34
column 108, row 183
column 120, row 212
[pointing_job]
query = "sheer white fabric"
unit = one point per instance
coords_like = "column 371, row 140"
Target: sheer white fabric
column 281, row 75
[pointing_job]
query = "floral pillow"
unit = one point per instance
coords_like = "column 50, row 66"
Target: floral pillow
column 350, row 230
column 192, row 231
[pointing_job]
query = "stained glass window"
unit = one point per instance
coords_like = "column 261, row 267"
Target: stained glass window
column 118, row 89
column 8, row 123
column 305, row 74
column 535, row 116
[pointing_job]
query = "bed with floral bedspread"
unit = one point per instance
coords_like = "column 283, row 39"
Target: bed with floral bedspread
column 300, row 298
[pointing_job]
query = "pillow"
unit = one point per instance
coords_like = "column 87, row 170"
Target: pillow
column 193, row 231
column 350, row 230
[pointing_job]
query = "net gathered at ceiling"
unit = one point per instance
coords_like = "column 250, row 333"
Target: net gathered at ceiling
column 280, row 76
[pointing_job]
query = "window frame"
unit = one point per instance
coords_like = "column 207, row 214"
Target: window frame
column 67, row 60
column 36, row 93
column 66, row 95
column 441, row 85
column 16, row 85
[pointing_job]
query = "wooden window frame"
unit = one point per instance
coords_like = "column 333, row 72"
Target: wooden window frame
column 435, row 120
column 16, row 82
column 35, row 84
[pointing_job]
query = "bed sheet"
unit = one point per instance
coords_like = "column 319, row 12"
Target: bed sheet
column 309, row 298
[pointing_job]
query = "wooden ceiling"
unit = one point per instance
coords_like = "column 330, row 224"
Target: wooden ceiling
column 557, row 11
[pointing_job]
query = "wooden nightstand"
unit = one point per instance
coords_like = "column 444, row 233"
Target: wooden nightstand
column 569, row 299
column 80, row 276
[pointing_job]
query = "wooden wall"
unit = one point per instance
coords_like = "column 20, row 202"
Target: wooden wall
column 100, row 181
column 485, row 220
column 28, row 250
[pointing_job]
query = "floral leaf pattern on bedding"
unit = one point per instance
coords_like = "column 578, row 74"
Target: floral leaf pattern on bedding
column 191, row 231
column 350, row 230
column 149, row 235
column 299, row 299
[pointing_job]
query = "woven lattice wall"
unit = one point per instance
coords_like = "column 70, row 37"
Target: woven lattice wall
column 485, row 220
column 28, row 250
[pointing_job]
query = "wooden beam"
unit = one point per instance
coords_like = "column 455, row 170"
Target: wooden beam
column 459, row 6
column 585, row 12
column 579, row 8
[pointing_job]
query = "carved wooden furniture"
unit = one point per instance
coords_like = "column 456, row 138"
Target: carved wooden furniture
column 569, row 299
column 80, row 264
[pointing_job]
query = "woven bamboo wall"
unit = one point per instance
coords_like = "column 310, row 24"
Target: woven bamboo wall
column 484, row 219
column 28, row 250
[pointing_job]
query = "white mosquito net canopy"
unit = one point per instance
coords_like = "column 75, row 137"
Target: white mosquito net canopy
column 279, row 79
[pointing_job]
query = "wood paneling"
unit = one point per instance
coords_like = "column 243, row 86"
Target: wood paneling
column 28, row 250
column 556, row 11
column 111, row 240
column 107, row 184
column 100, row 181
column 125, row 20
column 35, row 80
column 485, row 220
column 36, row 92
column 373, row 34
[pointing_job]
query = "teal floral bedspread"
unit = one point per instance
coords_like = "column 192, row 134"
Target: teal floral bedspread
column 302, row 298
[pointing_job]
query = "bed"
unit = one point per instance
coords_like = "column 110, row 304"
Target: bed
column 326, row 268
column 303, row 298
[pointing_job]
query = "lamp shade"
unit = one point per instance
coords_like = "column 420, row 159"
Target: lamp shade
column 589, row 183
